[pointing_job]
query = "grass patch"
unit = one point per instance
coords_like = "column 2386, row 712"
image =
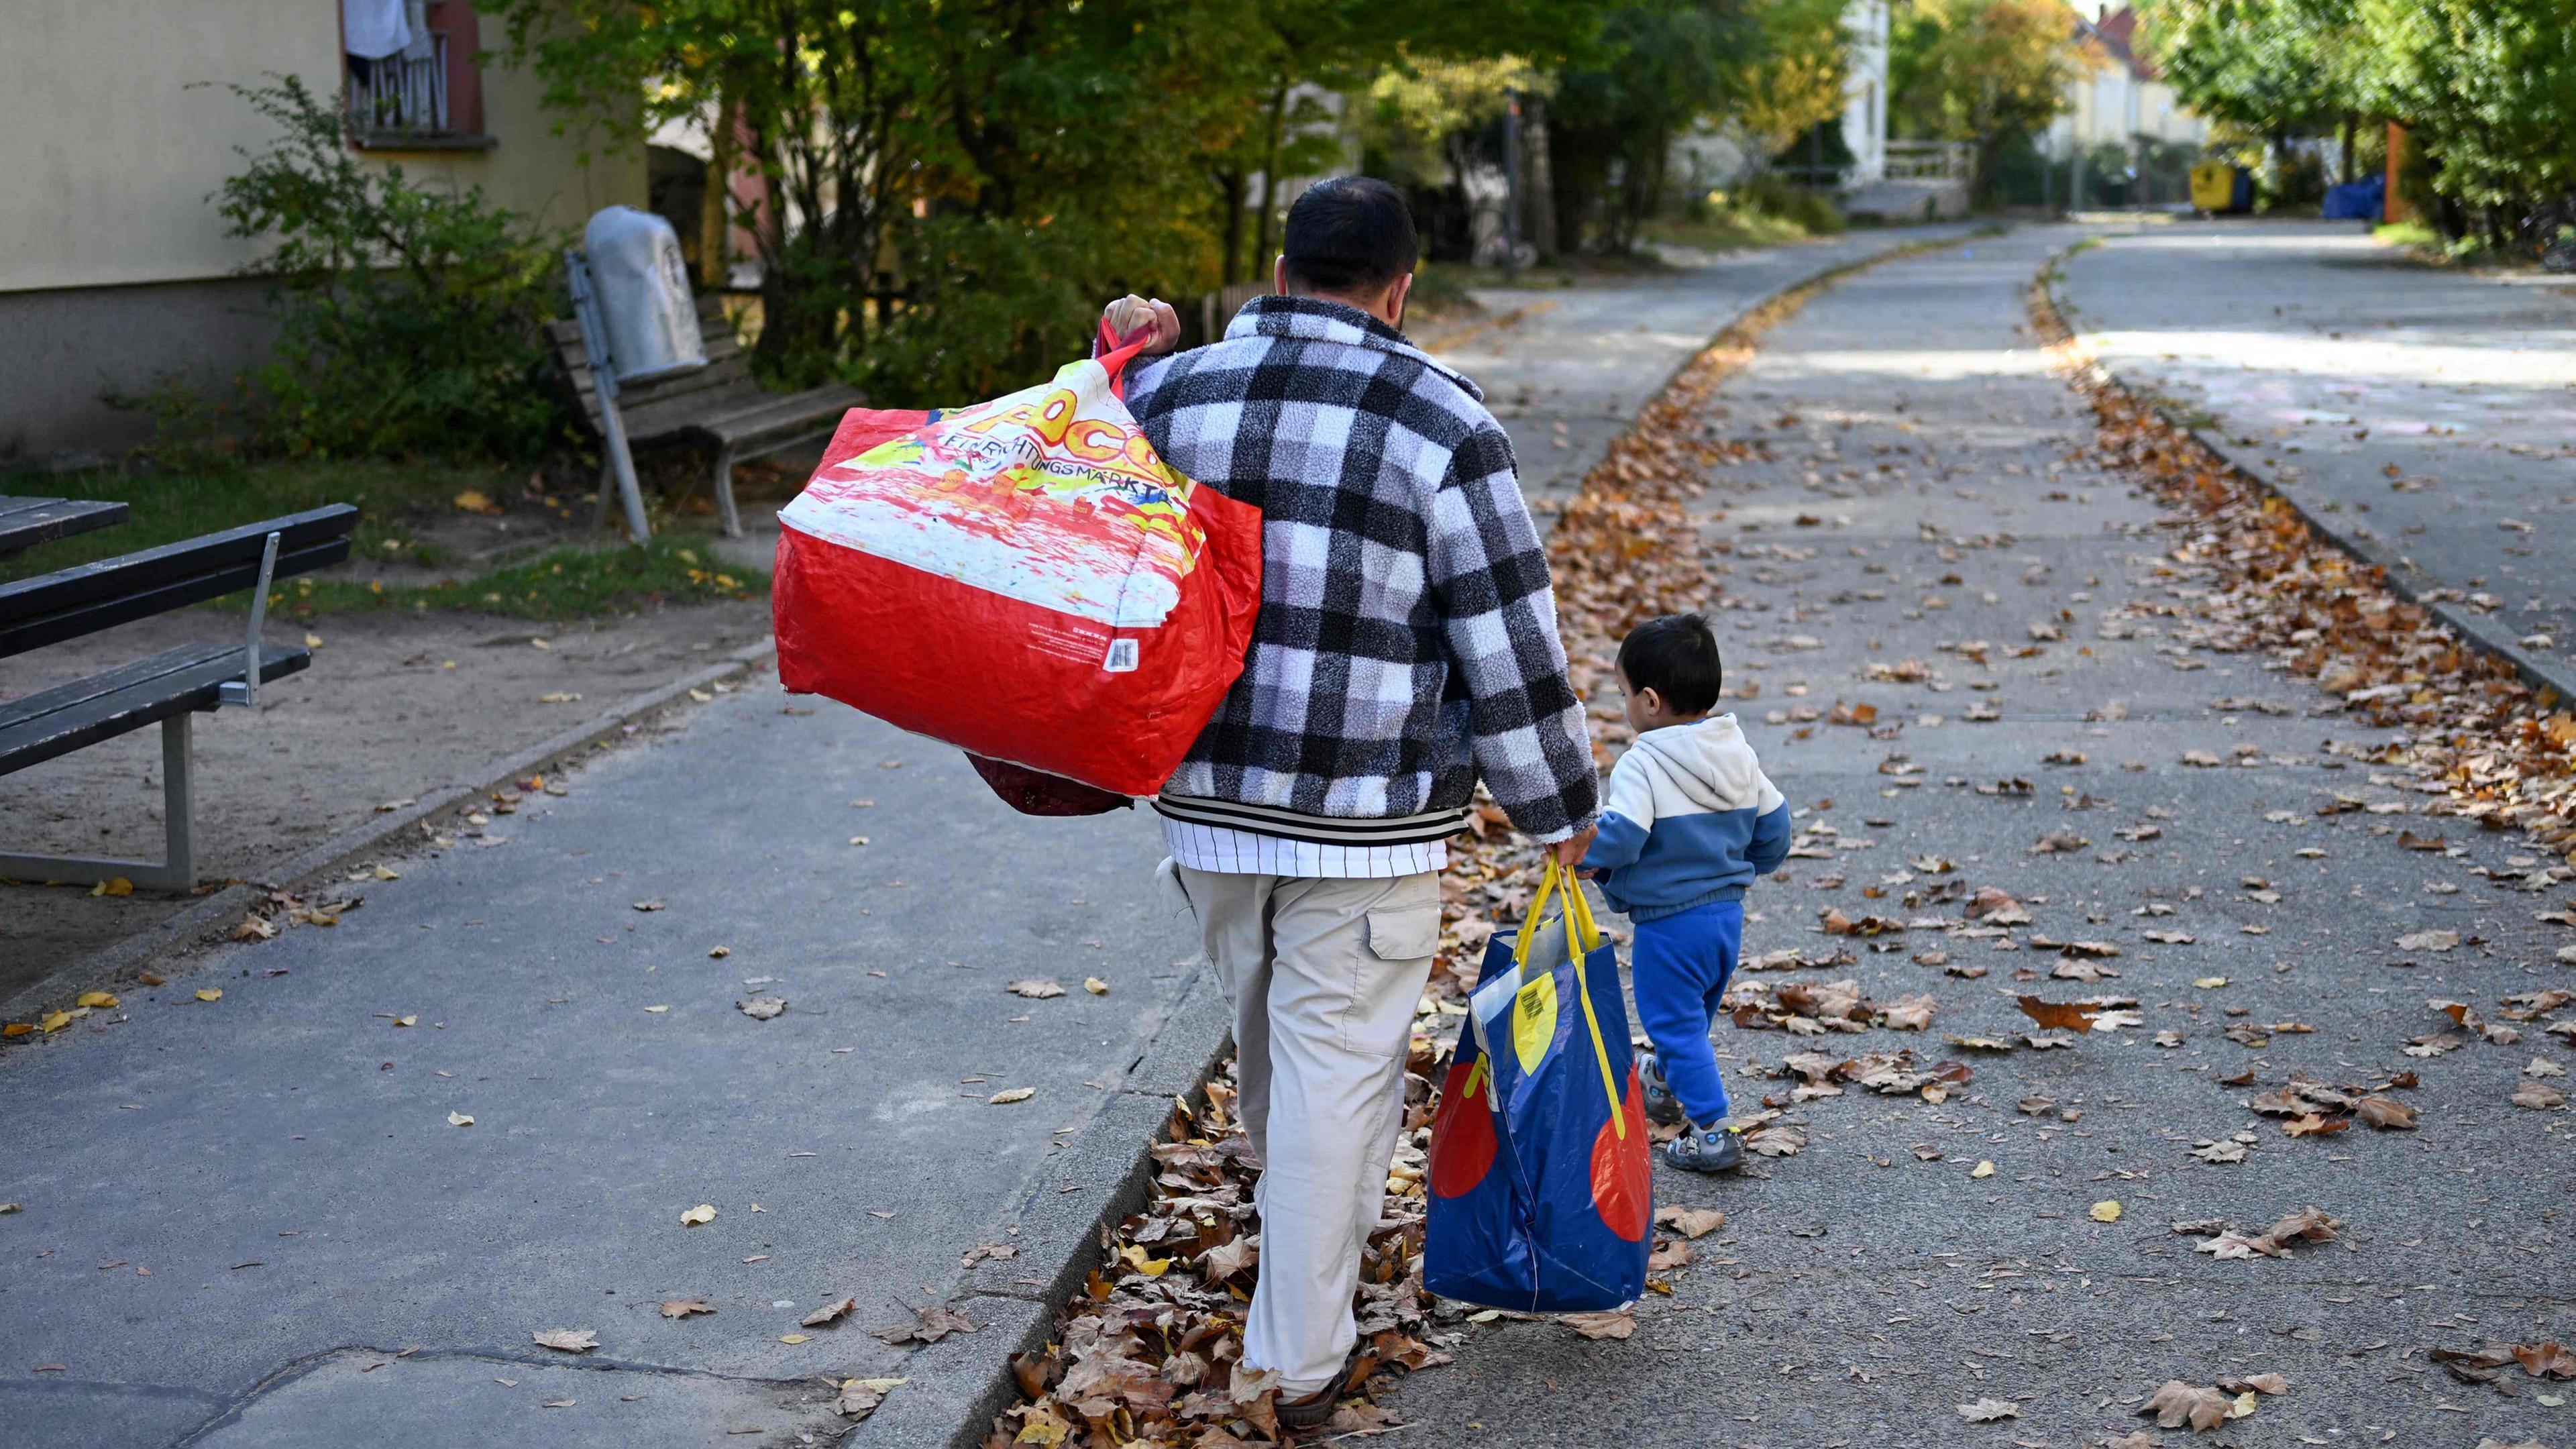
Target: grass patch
column 168, row 506
column 1729, row 230
column 567, row 581
column 561, row 583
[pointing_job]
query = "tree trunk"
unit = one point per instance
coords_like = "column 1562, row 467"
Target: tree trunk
column 2349, row 121
column 1230, row 269
column 1261, row 250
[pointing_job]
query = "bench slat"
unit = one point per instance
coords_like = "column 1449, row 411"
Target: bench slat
column 68, row 717
column 53, row 607
column 81, row 583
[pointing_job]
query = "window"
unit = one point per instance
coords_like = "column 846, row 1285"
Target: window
column 412, row 81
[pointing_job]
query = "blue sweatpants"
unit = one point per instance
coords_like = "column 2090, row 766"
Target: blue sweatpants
column 1679, row 966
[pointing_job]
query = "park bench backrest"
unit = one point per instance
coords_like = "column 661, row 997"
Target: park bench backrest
column 89, row 597
column 727, row 369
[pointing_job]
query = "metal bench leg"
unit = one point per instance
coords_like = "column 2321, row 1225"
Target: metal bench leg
column 724, row 492
column 607, row 486
column 178, row 872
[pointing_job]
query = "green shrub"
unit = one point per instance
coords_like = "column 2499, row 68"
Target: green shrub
column 408, row 318
column 1768, row 195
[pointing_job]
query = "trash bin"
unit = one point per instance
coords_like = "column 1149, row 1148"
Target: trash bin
column 2213, row 187
column 642, row 287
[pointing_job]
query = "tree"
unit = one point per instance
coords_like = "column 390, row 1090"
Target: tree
column 2276, row 68
column 1982, row 70
column 2487, row 89
column 1793, row 82
column 1654, row 70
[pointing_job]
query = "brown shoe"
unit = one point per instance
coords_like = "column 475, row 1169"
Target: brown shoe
column 1315, row 1410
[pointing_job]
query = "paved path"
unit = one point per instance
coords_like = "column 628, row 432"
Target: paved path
column 236, row 1212
column 1867, row 1286
column 1566, row 369
column 2428, row 413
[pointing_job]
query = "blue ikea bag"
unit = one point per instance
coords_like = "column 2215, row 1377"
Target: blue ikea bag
column 1541, row 1193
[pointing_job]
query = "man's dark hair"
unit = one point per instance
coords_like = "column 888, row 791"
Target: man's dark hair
column 1676, row 657
column 1349, row 234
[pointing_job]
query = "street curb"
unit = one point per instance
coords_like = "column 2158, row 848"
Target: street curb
column 955, row 1388
column 206, row 920
column 2395, row 568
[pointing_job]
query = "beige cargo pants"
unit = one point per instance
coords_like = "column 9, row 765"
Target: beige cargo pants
column 1323, row 976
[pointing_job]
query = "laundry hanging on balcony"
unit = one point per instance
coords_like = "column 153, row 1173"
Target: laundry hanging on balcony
column 374, row 29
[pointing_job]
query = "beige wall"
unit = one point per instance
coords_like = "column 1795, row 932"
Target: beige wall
column 110, row 155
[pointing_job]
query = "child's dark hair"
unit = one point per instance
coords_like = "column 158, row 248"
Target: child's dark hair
column 1676, row 657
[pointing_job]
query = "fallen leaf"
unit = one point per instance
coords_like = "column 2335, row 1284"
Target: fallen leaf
column 2059, row 1015
column 1690, row 1222
column 2385, row 1113
column 459, row 1119
column 836, row 1309
column 1095, row 986
column 2178, row 1404
column 1617, row 1324
column 1035, row 990
column 929, row 1325
column 1987, row 1411
column 762, row 1008
column 2106, row 1211
column 115, row 885
column 704, row 1212
column 568, row 1340
column 2428, row 941
column 683, row 1307
column 100, row 1000
column 1982, row 1169
column 210, row 993
column 2539, row 1096
column 795, row 1338
column 860, row 1397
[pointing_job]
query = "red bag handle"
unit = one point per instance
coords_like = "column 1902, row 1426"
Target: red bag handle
column 1113, row 355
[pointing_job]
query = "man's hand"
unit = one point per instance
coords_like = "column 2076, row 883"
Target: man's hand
column 1130, row 313
column 1570, row 850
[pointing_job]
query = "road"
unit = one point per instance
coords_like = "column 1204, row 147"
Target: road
column 2428, row 412
column 1866, row 1289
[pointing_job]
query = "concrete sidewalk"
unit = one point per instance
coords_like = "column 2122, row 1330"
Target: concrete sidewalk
column 2426, row 415
column 237, row 1212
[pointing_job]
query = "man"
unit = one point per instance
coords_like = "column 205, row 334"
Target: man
column 1406, row 647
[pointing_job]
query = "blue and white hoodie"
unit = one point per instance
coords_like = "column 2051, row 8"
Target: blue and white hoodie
column 1690, row 819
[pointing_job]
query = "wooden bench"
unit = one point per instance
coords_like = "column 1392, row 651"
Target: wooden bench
column 719, row 402
column 167, row 688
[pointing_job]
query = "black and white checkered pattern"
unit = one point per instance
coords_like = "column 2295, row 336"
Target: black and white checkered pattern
column 1407, row 643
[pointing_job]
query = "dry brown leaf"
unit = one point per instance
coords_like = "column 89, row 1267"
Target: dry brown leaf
column 830, row 1312
column 1614, row 1325
column 1035, row 990
column 1987, row 1411
column 568, row 1340
column 2058, row 1015
column 2178, row 1404
column 1690, row 1222
column 683, row 1307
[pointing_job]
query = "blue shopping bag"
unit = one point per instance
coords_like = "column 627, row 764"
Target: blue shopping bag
column 1540, row 1185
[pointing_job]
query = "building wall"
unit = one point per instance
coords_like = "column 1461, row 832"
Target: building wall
column 1865, row 91
column 114, row 266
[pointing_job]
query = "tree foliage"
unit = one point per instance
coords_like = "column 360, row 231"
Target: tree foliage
column 1654, row 69
column 1981, row 70
column 2272, row 67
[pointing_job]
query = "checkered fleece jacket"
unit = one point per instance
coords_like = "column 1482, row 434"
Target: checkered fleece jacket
column 1407, row 642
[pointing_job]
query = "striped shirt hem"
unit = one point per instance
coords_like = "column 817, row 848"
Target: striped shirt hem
column 1426, row 828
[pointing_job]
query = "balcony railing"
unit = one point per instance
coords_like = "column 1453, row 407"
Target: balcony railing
column 1931, row 160
column 399, row 97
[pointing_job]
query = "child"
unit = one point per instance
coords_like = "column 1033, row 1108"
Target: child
column 1689, row 822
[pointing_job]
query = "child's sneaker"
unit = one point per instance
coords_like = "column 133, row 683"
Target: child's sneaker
column 1705, row 1149
column 1662, row 1107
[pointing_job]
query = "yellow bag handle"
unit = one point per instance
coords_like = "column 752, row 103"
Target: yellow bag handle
column 1582, row 937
